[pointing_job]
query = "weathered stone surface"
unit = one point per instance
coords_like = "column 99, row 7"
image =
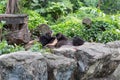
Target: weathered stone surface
column 87, row 21
column 114, row 44
column 101, row 68
column 116, row 73
column 105, row 78
column 18, row 36
column 96, row 50
column 41, row 30
column 60, row 68
column 23, row 66
column 91, row 61
column 26, row 65
column 94, row 60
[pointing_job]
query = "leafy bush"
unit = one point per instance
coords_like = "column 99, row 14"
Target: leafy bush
column 109, row 35
column 2, row 6
column 52, row 8
column 58, row 9
column 25, row 4
column 89, row 12
column 97, row 28
column 37, row 47
column 76, row 4
column 5, row 48
column 90, row 3
column 34, row 19
column 70, row 27
column 111, row 6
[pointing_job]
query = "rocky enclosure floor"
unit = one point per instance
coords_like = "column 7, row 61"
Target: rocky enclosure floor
column 91, row 61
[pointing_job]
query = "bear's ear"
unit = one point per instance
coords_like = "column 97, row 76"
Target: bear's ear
column 60, row 36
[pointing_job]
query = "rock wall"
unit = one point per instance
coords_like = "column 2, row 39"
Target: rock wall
column 25, row 65
column 95, row 61
column 91, row 61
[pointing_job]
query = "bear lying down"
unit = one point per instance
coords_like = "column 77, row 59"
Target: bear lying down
column 47, row 40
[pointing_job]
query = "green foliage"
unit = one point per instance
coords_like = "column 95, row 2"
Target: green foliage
column 70, row 27
column 34, row 19
column 66, row 16
column 109, row 35
column 5, row 48
column 110, row 6
column 96, row 30
column 90, row 3
column 89, row 12
column 2, row 23
column 53, row 8
column 25, row 3
column 2, row 6
column 36, row 47
column 58, row 9
column 76, row 4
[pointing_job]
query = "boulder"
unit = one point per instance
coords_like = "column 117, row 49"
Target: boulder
column 116, row 73
column 60, row 68
column 23, row 66
column 105, row 78
column 26, row 65
column 91, row 61
column 95, row 60
column 41, row 30
column 87, row 21
column 114, row 44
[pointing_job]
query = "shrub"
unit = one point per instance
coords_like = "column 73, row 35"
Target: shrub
column 89, row 12
column 5, row 48
column 2, row 6
column 92, row 3
column 70, row 27
column 98, row 30
column 37, row 47
column 111, row 6
column 58, row 9
column 34, row 19
column 76, row 4
column 109, row 35
column 53, row 7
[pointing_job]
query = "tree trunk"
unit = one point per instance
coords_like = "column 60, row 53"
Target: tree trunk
column 0, row 34
column 99, row 4
column 12, row 7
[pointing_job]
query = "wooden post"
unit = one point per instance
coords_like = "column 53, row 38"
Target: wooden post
column 0, row 34
column 99, row 4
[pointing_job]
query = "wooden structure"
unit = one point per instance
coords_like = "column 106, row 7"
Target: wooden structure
column 17, row 22
column 13, row 20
